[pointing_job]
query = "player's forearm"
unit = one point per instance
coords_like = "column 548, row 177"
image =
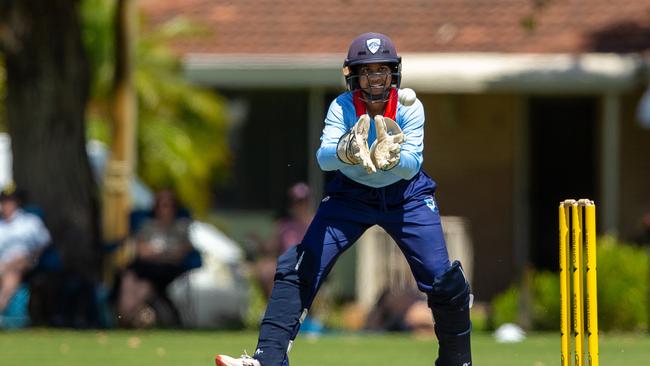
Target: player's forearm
column 409, row 164
column 327, row 158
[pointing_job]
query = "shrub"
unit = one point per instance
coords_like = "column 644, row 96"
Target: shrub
column 623, row 292
column 505, row 307
column 546, row 300
column 545, row 307
column 622, row 286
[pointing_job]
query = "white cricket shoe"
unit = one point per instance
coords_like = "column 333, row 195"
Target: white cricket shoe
column 244, row 360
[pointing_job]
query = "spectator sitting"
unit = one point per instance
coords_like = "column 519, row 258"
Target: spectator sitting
column 400, row 311
column 289, row 231
column 162, row 244
column 22, row 238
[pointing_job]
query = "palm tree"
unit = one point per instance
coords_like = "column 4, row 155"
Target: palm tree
column 181, row 134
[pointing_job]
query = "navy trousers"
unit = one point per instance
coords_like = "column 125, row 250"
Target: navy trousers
column 407, row 210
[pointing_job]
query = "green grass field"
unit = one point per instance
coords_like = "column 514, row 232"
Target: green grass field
column 194, row 348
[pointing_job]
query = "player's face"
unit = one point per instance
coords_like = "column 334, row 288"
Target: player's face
column 374, row 78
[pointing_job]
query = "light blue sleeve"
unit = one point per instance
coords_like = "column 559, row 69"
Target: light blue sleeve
column 334, row 128
column 412, row 122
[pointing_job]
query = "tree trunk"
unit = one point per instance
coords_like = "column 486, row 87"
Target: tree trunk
column 119, row 170
column 47, row 90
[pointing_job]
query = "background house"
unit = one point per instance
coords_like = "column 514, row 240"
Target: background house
column 527, row 103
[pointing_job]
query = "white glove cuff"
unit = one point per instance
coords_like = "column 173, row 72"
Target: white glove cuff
column 344, row 147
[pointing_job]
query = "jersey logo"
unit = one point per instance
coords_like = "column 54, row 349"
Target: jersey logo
column 431, row 203
column 373, row 44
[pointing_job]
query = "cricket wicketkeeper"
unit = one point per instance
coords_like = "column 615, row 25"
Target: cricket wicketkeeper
column 373, row 139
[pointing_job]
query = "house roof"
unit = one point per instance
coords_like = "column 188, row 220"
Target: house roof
column 428, row 26
column 582, row 46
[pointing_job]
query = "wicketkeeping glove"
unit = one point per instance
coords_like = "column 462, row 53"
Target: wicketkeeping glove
column 353, row 146
column 385, row 151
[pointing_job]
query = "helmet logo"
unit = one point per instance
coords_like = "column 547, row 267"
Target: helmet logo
column 373, row 44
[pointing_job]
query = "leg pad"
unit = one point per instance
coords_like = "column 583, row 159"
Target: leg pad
column 449, row 301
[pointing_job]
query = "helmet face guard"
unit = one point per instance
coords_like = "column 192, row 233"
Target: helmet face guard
column 374, row 81
column 372, row 48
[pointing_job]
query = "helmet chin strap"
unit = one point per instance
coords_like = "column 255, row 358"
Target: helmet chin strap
column 389, row 109
column 367, row 95
column 371, row 98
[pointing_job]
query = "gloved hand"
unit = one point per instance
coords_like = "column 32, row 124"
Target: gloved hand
column 353, row 146
column 385, row 151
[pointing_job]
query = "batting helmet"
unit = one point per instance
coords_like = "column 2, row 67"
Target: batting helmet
column 370, row 48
